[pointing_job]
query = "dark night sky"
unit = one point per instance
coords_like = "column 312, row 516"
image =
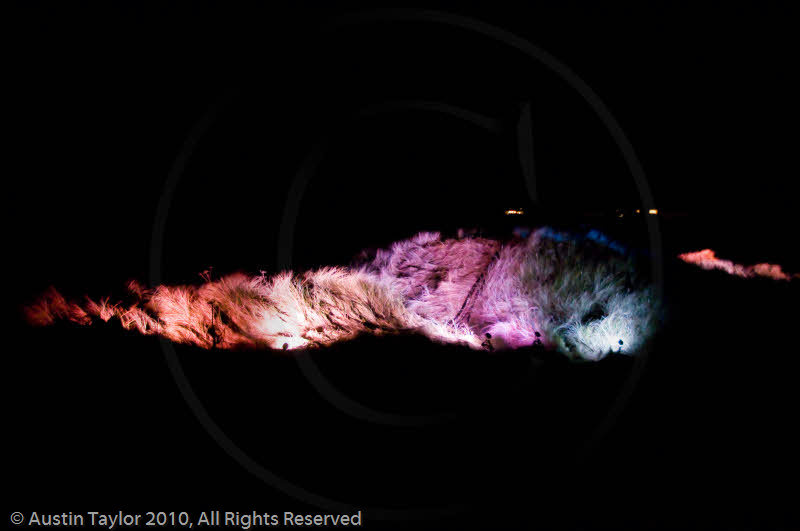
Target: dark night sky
column 103, row 98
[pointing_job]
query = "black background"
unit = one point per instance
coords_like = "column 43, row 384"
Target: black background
column 102, row 102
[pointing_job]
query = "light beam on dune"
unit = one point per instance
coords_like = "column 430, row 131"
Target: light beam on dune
column 576, row 293
column 707, row 259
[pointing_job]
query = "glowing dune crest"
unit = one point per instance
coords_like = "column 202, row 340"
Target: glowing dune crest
column 707, row 259
column 573, row 295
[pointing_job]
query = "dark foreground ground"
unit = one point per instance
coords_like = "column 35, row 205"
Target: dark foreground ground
column 698, row 436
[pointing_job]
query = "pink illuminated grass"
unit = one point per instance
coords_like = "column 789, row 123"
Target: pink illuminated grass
column 707, row 259
column 574, row 296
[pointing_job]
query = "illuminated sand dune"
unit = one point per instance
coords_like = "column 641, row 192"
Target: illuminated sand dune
column 708, row 260
column 571, row 294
